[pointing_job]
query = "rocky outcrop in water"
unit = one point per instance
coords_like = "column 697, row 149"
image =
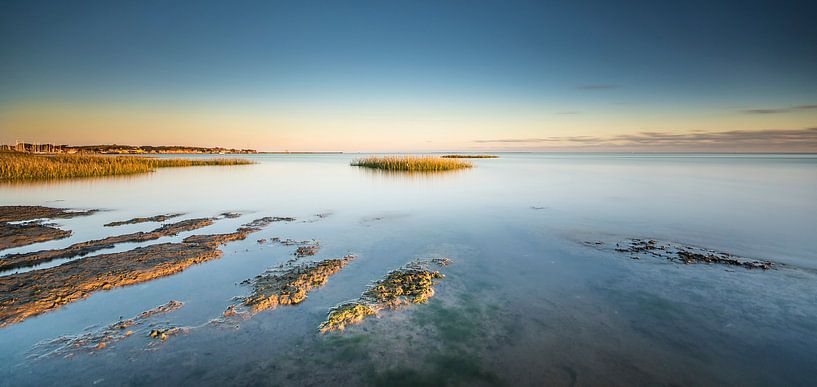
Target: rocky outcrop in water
column 21, row 213
column 411, row 284
column 15, row 261
column 679, row 253
column 35, row 292
column 287, row 284
column 292, row 242
column 23, row 234
column 155, row 218
column 16, row 235
column 307, row 250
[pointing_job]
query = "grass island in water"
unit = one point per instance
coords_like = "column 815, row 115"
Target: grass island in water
column 21, row 166
column 411, row 163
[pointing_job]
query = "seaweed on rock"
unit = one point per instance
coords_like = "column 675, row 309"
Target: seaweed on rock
column 411, row 284
column 679, row 253
column 287, row 284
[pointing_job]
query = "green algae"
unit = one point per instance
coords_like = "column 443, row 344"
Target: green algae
column 346, row 314
column 288, row 284
column 411, row 284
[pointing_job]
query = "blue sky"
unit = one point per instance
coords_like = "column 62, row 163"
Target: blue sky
column 413, row 75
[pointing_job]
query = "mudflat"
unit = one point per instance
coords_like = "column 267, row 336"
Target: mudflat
column 16, row 235
column 35, row 292
column 15, row 261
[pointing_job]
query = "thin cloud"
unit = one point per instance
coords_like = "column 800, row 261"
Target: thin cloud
column 568, row 113
column 781, row 110
column 598, row 86
column 800, row 140
column 766, row 111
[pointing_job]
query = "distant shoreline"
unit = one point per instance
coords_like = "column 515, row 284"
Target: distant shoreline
column 18, row 166
column 116, row 149
column 299, row 153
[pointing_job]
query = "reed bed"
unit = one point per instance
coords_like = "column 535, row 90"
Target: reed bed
column 20, row 166
column 457, row 156
column 411, row 163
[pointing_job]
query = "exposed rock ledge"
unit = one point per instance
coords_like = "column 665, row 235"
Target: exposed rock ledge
column 35, row 292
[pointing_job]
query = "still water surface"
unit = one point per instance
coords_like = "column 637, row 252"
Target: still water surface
column 526, row 302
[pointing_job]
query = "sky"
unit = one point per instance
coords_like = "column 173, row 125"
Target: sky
column 406, row 76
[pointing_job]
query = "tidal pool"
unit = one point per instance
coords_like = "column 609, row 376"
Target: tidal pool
column 526, row 301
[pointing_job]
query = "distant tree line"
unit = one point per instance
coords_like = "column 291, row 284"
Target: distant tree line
column 117, row 149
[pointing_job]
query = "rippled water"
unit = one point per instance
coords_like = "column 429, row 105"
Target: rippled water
column 526, row 302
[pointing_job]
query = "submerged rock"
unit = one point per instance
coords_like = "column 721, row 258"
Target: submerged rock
column 155, row 218
column 292, row 242
column 215, row 240
column 164, row 334
column 411, row 284
column 35, row 292
column 265, row 221
column 15, row 261
column 318, row 217
column 16, row 235
column 20, row 213
column 102, row 338
column 676, row 252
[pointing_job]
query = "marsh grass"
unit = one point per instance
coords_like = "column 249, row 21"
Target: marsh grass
column 411, row 163
column 20, row 166
column 470, row 157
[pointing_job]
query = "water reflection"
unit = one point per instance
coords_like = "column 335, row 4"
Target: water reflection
column 525, row 302
column 410, row 176
column 86, row 181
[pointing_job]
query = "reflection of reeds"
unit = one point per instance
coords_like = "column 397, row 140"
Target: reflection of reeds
column 19, row 166
column 420, row 176
column 411, row 163
column 470, row 157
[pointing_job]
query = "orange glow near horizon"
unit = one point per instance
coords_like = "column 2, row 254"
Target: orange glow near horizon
column 395, row 130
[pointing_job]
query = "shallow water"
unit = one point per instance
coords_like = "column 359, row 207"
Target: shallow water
column 526, row 301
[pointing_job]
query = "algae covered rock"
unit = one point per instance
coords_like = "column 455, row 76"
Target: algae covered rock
column 344, row 314
column 685, row 254
column 411, row 284
column 288, row 284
